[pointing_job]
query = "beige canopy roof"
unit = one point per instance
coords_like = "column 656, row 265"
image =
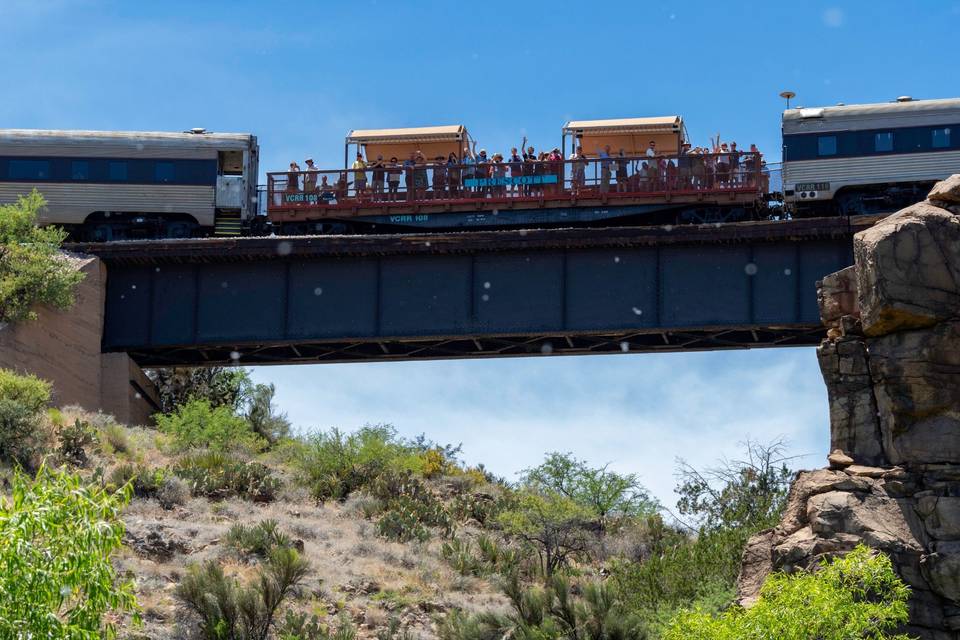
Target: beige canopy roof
column 432, row 142
column 659, row 124
column 408, row 135
column 633, row 135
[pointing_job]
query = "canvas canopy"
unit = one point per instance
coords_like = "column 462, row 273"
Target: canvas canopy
column 633, row 135
column 430, row 141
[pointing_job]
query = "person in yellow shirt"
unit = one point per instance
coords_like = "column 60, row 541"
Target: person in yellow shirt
column 359, row 175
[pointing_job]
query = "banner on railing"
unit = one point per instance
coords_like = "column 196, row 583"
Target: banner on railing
column 510, row 181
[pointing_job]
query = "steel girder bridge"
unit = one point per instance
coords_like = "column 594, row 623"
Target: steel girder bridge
column 311, row 299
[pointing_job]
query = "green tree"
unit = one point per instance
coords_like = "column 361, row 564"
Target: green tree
column 748, row 493
column 220, row 386
column 32, row 269
column 22, row 400
column 263, row 417
column 56, row 578
column 605, row 493
column 550, row 521
column 198, row 424
column 858, row 596
column 700, row 561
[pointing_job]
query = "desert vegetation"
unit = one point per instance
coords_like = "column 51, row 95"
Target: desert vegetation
column 221, row 523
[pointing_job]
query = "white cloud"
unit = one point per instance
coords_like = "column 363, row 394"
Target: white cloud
column 638, row 412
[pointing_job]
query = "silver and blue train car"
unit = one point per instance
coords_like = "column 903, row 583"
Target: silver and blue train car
column 867, row 158
column 112, row 185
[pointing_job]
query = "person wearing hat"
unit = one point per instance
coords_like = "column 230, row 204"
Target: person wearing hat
column 310, row 180
column 483, row 169
column 359, row 175
column 293, row 178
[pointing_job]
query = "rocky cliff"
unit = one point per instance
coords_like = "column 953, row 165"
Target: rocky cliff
column 891, row 363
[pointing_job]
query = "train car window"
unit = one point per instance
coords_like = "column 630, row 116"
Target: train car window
column 79, row 170
column 163, row 172
column 118, row 171
column 29, row 169
column 827, row 145
column 941, row 138
column 883, row 141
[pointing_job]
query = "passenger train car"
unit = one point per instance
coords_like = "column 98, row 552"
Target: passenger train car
column 865, row 158
column 105, row 186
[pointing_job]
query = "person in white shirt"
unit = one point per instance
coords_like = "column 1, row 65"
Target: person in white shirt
column 604, row 155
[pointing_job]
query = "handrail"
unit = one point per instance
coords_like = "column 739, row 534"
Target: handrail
column 432, row 183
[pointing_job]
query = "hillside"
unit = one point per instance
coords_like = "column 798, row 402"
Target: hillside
column 221, row 524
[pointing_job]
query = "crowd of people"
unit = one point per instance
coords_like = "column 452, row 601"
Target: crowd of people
column 526, row 172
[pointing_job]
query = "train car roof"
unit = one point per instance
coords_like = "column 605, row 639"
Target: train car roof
column 123, row 138
column 409, row 134
column 626, row 125
column 879, row 114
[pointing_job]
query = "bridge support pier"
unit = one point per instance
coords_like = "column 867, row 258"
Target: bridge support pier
column 63, row 347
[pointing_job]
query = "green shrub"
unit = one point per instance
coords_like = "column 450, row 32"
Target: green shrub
column 115, row 436
column 259, row 540
column 22, row 401
column 218, row 476
column 488, row 558
column 334, row 465
column 402, row 525
column 56, row 577
column 228, row 609
column 172, row 492
column 298, row 626
column 32, row 271
column 198, row 424
column 74, row 440
column 858, row 596
column 144, row 481
column 547, row 613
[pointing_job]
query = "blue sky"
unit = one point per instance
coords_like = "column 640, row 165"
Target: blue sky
column 302, row 74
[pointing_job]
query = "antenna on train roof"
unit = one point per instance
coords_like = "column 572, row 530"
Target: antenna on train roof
column 787, row 95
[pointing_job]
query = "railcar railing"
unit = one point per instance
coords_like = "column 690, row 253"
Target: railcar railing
column 438, row 183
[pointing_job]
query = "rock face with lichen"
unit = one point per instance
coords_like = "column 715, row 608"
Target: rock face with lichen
column 891, row 363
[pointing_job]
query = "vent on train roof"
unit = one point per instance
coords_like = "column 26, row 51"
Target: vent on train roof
column 904, row 99
column 197, row 130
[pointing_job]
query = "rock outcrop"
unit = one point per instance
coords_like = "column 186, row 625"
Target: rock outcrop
column 891, row 363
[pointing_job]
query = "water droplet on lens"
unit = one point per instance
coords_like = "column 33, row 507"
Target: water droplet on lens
column 133, row 286
column 157, row 269
column 223, row 285
column 234, row 355
column 750, row 269
column 787, row 272
column 616, row 258
column 486, row 285
column 318, row 291
column 624, row 346
column 284, row 248
column 546, row 348
column 637, row 311
column 485, row 297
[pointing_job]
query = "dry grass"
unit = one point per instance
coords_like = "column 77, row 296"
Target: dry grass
column 354, row 572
